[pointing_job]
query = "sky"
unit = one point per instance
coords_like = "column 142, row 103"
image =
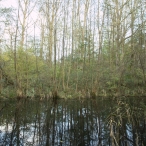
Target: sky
column 9, row 3
column 14, row 4
column 34, row 16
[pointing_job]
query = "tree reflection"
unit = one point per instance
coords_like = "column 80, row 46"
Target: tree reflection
column 127, row 123
column 70, row 122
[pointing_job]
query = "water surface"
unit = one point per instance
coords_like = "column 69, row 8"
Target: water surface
column 96, row 122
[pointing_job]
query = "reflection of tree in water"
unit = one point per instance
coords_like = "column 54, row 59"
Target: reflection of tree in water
column 13, row 123
column 127, row 123
column 74, row 123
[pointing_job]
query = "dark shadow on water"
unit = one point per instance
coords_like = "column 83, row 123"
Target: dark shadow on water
column 98, row 122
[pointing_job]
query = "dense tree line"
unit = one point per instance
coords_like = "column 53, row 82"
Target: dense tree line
column 73, row 48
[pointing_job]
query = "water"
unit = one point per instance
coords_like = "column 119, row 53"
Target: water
column 97, row 122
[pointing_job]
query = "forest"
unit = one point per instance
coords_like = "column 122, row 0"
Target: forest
column 72, row 48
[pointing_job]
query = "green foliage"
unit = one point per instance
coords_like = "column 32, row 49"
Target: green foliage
column 114, row 66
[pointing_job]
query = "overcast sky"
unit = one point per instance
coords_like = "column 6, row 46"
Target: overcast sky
column 33, row 15
column 9, row 3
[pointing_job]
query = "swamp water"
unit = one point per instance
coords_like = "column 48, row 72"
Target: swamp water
column 86, row 122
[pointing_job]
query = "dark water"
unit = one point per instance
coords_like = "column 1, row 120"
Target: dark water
column 98, row 122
